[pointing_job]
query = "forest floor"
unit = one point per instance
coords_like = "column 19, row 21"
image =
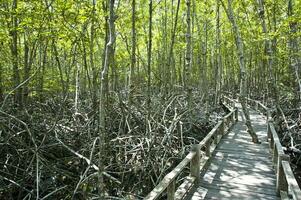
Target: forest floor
column 47, row 145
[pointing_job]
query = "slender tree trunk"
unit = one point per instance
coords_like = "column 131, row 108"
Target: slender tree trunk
column 77, row 89
column 173, row 36
column 42, row 63
column 268, row 53
column 204, row 55
column 14, row 52
column 1, row 83
column 63, row 84
column 91, row 55
column 29, row 55
column 188, row 55
column 149, row 62
column 103, row 93
column 294, row 48
column 188, row 52
column 240, row 55
column 133, row 53
column 218, row 55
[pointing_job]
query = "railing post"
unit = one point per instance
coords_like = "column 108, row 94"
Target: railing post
column 271, row 143
column 275, row 156
column 216, row 137
column 223, row 127
column 236, row 113
column 269, row 131
column 195, row 163
column 281, row 183
column 171, row 189
column 207, row 148
column 233, row 118
column 268, row 113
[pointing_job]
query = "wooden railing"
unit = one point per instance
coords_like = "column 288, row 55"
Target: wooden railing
column 286, row 185
column 198, row 160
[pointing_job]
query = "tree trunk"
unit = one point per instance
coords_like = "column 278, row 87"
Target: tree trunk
column 1, row 84
column 240, row 55
column 77, row 89
column 188, row 55
column 268, row 53
column 173, row 35
column 149, row 62
column 218, row 72
column 133, row 53
column 204, row 55
column 293, row 48
column 188, row 52
column 102, row 95
column 14, row 52
column 91, row 55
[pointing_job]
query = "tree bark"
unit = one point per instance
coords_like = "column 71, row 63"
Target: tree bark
column 268, row 53
column 218, row 72
column 240, row 55
column 14, row 52
column 173, row 35
column 102, row 96
column 133, row 53
column 149, row 61
column 91, row 55
column 188, row 52
column 293, row 48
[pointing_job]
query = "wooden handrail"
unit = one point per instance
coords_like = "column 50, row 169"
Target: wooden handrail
column 286, row 182
column 195, row 158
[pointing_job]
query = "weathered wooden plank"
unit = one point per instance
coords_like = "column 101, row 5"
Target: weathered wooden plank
column 236, row 195
column 198, row 194
column 159, row 189
column 242, row 149
column 293, row 187
column 239, row 188
column 260, row 169
column 284, row 195
column 276, row 139
column 244, row 155
column 244, row 186
column 210, row 135
column 184, row 188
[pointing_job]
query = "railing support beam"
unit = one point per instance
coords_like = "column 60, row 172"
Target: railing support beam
column 171, row 189
column 195, row 163
column 281, row 183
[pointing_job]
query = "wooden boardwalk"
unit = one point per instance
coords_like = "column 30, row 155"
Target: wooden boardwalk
column 239, row 169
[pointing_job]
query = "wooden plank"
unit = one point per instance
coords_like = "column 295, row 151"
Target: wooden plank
column 284, row 195
column 237, row 143
column 159, row 189
column 240, row 188
column 210, row 135
column 293, row 186
column 198, row 193
column 242, row 149
column 261, row 169
column 171, row 190
column 244, row 186
column 276, row 139
column 236, row 195
column 184, row 188
column 244, row 155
